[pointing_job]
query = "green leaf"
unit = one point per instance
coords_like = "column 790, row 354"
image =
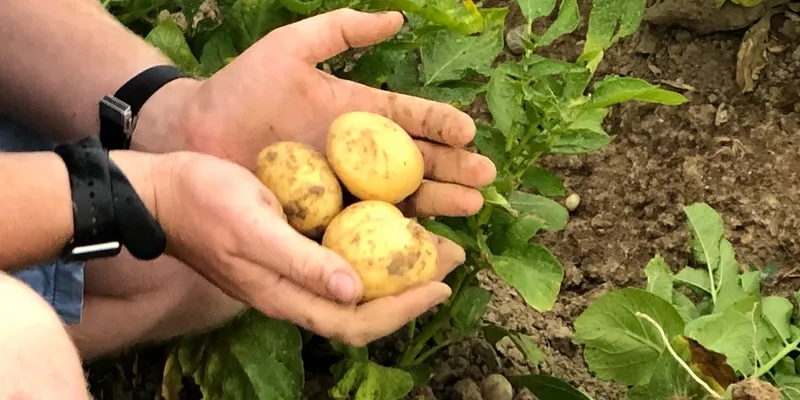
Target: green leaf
column 303, row 7
column 168, row 37
column 447, row 55
column 611, row 20
column 253, row 19
column 504, row 99
column 751, row 282
column 533, row 354
column 366, row 380
column 778, row 312
column 469, row 307
column 789, row 386
column 491, row 143
column 533, row 9
column 544, row 181
column 659, row 278
column 569, row 17
column 669, row 379
column 707, row 232
column 579, row 141
column 686, row 308
column 553, row 214
column 547, row 387
column 459, row 237
column 252, row 358
column 729, row 287
column 218, row 48
column 458, row 94
column 731, row 333
column 533, row 271
column 616, row 89
column 619, row 345
column 392, row 62
column 523, row 229
column 695, row 277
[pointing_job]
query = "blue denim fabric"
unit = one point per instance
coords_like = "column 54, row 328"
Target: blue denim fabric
column 59, row 282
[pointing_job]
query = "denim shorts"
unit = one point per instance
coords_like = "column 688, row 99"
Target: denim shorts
column 59, row 282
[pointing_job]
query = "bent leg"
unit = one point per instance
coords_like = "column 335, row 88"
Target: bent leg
column 37, row 358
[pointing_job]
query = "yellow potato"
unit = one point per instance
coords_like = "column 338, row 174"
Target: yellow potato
column 357, row 213
column 390, row 255
column 374, row 157
column 304, row 184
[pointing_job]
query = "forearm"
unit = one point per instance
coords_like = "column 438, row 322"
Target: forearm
column 61, row 57
column 36, row 202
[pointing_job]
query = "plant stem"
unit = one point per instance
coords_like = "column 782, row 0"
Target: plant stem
column 677, row 358
column 439, row 320
column 424, row 356
column 778, row 357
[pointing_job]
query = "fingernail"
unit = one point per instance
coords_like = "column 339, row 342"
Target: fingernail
column 342, row 286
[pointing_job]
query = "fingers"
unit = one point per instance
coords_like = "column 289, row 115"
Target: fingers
column 302, row 260
column 450, row 254
column 354, row 325
column 323, row 36
column 442, row 199
column 421, row 118
column 454, row 165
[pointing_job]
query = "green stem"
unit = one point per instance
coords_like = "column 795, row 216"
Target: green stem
column 439, row 320
column 412, row 326
column 424, row 356
column 775, row 360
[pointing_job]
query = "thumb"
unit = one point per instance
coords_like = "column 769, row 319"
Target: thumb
column 308, row 264
column 323, row 36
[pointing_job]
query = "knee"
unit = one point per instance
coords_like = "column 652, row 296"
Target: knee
column 33, row 344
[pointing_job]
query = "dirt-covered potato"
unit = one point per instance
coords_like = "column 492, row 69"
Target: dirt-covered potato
column 374, row 157
column 389, row 254
column 357, row 213
column 304, row 183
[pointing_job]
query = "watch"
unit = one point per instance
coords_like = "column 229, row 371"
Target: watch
column 119, row 112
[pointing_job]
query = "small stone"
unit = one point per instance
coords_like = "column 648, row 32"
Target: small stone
column 496, row 387
column 572, row 201
column 514, row 40
column 467, row 389
column 525, row 394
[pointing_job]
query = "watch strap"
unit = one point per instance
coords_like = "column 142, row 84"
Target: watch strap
column 107, row 212
column 119, row 112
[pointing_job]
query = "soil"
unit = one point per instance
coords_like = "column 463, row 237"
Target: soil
column 740, row 153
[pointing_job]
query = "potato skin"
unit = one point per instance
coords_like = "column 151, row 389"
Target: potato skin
column 356, row 214
column 390, row 255
column 304, row 183
column 374, row 157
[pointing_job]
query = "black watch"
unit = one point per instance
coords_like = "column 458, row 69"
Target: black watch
column 119, row 112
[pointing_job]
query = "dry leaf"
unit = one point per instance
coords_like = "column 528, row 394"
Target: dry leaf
column 752, row 57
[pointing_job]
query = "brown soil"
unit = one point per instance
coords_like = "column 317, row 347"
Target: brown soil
column 740, row 153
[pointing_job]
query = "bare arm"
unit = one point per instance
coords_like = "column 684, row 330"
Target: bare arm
column 61, row 56
column 37, row 204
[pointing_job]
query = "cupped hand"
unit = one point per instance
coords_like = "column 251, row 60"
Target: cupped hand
column 273, row 91
column 223, row 222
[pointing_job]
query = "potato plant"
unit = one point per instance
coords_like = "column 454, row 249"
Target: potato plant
column 704, row 332
column 447, row 51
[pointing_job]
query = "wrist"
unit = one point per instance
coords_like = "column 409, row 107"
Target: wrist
column 166, row 119
column 141, row 171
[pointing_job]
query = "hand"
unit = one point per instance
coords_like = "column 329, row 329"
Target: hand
column 273, row 92
column 224, row 223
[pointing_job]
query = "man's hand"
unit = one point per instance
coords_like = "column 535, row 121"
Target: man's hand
column 273, row 91
column 224, row 223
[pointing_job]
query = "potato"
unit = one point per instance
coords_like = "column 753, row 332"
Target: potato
column 390, row 255
column 357, row 213
column 374, row 157
column 304, row 183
